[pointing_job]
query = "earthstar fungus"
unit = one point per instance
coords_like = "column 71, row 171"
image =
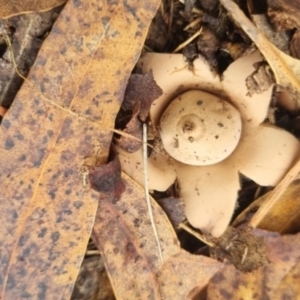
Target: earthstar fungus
column 211, row 130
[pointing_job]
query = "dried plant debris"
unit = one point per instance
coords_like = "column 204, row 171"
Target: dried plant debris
column 92, row 282
column 280, row 39
column 107, row 178
column 260, row 80
column 246, row 251
column 208, row 44
column 157, row 37
column 277, row 280
column 209, row 5
column 285, row 68
column 141, row 89
column 284, row 14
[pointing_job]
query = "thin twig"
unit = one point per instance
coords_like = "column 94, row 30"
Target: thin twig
column 197, row 33
column 92, row 252
column 196, row 234
column 145, row 156
column 192, row 24
column 170, row 21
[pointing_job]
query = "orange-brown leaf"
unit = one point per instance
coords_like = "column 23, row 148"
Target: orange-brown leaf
column 60, row 121
column 274, row 281
column 185, row 275
column 13, row 8
column 124, row 235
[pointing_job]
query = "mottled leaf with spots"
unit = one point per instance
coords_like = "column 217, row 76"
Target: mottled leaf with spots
column 17, row 7
column 124, row 235
column 60, row 121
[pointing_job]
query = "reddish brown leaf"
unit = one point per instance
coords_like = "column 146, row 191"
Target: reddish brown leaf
column 141, row 89
column 107, row 178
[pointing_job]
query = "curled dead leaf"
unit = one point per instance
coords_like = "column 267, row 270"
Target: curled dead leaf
column 106, row 178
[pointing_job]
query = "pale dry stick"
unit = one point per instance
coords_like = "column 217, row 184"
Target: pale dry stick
column 170, row 21
column 145, row 158
column 190, row 39
column 192, row 24
column 197, row 11
column 275, row 195
column 196, row 234
column 92, row 252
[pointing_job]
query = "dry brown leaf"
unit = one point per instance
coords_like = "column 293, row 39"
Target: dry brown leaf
column 286, row 69
column 60, row 119
column 185, row 276
column 174, row 208
column 142, row 90
column 284, row 14
column 280, row 39
column 107, row 178
column 275, row 281
column 124, row 236
column 282, row 217
column 276, row 194
column 17, row 7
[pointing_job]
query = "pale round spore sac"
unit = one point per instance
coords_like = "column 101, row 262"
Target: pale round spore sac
column 198, row 128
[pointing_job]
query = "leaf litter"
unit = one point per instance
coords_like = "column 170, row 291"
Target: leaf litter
column 46, row 140
column 9, row 8
column 131, row 253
